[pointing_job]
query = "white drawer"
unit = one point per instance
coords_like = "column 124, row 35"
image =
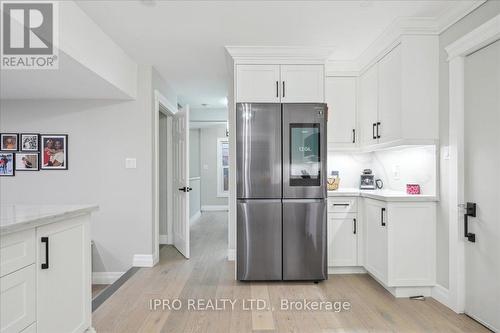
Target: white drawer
column 17, row 250
column 17, row 300
column 342, row 205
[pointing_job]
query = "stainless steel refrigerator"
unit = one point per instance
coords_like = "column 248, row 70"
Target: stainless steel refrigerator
column 281, row 191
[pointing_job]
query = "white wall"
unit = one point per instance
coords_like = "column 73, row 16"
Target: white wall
column 208, row 160
column 101, row 135
column 415, row 164
column 479, row 16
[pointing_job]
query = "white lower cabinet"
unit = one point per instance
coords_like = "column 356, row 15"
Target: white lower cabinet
column 400, row 247
column 46, row 278
column 342, row 240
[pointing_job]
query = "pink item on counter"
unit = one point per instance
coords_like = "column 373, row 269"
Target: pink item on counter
column 412, row 189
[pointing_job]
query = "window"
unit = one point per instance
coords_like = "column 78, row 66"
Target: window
column 222, row 167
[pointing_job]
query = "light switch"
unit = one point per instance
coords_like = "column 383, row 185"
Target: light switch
column 130, row 163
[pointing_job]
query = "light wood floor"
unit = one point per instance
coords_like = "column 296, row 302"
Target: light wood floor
column 209, row 275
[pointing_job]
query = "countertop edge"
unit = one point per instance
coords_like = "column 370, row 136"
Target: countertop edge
column 376, row 196
column 36, row 222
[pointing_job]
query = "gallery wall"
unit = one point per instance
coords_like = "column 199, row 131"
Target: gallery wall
column 102, row 134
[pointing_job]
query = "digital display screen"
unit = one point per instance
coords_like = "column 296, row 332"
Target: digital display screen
column 305, row 159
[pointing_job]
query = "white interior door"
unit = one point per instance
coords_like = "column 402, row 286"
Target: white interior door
column 181, row 180
column 482, row 185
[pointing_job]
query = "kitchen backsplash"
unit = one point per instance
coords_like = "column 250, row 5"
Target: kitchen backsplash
column 396, row 167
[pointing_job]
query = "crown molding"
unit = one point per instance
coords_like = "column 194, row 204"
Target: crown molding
column 455, row 14
column 280, row 54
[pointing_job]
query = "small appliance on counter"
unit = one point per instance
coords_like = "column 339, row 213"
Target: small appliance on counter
column 333, row 181
column 368, row 181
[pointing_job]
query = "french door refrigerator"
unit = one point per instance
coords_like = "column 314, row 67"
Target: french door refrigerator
column 281, row 191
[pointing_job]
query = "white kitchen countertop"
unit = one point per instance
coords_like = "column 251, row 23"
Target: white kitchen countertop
column 14, row 218
column 384, row 195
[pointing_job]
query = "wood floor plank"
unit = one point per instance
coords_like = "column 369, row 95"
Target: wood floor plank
column 208, row 275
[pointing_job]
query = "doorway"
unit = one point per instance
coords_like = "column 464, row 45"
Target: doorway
column 481, row 186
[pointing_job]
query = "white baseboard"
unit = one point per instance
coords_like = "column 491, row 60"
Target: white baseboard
column 143, row 260
column 442, row 295
column 105, row 277
column 214, row 208
column 195, row 217
column 347, row 270
column 231, row 254
column 164, row 239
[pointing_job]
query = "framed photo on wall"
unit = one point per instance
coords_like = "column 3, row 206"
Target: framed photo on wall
column 9, row 141
column 7, row 164
column 29, row 142
column 54, row 152
column 27, row 161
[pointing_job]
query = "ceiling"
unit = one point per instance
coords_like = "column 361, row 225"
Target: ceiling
column 184, row 40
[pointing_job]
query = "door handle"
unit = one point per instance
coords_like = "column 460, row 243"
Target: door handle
column 378, row 135
column 185, row 189
column 373, row 131
column 470, row 210
column 45, row 240
column 277, row 89
column 283, row 88
column 382, row 222
column 354, row 226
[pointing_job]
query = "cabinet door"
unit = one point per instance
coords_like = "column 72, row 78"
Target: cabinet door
column 389, row 111
column 342, row 239
column 302, row 83
column 376, row 256
column 258, row 83
column 368, row 105
column 340, row 95
column 63, row 287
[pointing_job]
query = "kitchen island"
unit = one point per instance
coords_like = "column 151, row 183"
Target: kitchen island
column 45, row 268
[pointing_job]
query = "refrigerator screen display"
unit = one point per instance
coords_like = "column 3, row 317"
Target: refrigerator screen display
column 305, row 162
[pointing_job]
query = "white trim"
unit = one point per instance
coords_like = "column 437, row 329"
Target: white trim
column 143, row 260
column 441, row 294
column 214, row 208
column 196, row 216
column 164, row 239
column 455, row 14
column 220, row 191
column 346, row 270
column 105, row 277
column 457, row 51
column 231, row 254
column 194, row 178
column 164, row 106
column 279, row 54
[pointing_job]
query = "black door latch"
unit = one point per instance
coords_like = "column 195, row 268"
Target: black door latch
column 470, row 210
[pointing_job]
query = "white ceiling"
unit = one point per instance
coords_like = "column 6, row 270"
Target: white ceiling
column 184, row 40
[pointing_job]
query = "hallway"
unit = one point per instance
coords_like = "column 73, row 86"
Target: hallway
column 208, row 275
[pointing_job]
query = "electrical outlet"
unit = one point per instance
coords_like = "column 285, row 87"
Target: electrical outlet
column 130, row 163
column 396, row 173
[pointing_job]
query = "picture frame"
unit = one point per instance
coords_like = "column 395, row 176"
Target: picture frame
column 7, row 164
column 29, row 142
column 9, row 142
column 54, row 151
column 26, row 161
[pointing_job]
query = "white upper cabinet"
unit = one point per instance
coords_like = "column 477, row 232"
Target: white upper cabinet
column 280, row 83
column 398, row 95
column 258, row 83
column 340, row 95
column 389, row 97
column 302, row 83
column 368, row 106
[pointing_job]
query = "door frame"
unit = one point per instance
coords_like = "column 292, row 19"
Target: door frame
column 478, row 38
column 164, row 106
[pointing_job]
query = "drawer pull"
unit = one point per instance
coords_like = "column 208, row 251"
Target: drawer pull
column 341, row 204
column 45, row 240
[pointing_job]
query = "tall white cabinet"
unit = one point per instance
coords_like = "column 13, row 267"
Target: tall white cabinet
column 340, row 96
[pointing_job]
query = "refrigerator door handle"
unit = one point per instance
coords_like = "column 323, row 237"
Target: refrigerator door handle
column 303, row 200
column 258, row 200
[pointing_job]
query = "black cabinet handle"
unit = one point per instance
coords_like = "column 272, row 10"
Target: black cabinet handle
column 277, row 89
column 373, row 131
column 283, row 88
column 353, row 135
column 382, row 222
column 45, row 240
column 341, row 204
column 378, row 135
column 470, row 210
column 354, row 226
